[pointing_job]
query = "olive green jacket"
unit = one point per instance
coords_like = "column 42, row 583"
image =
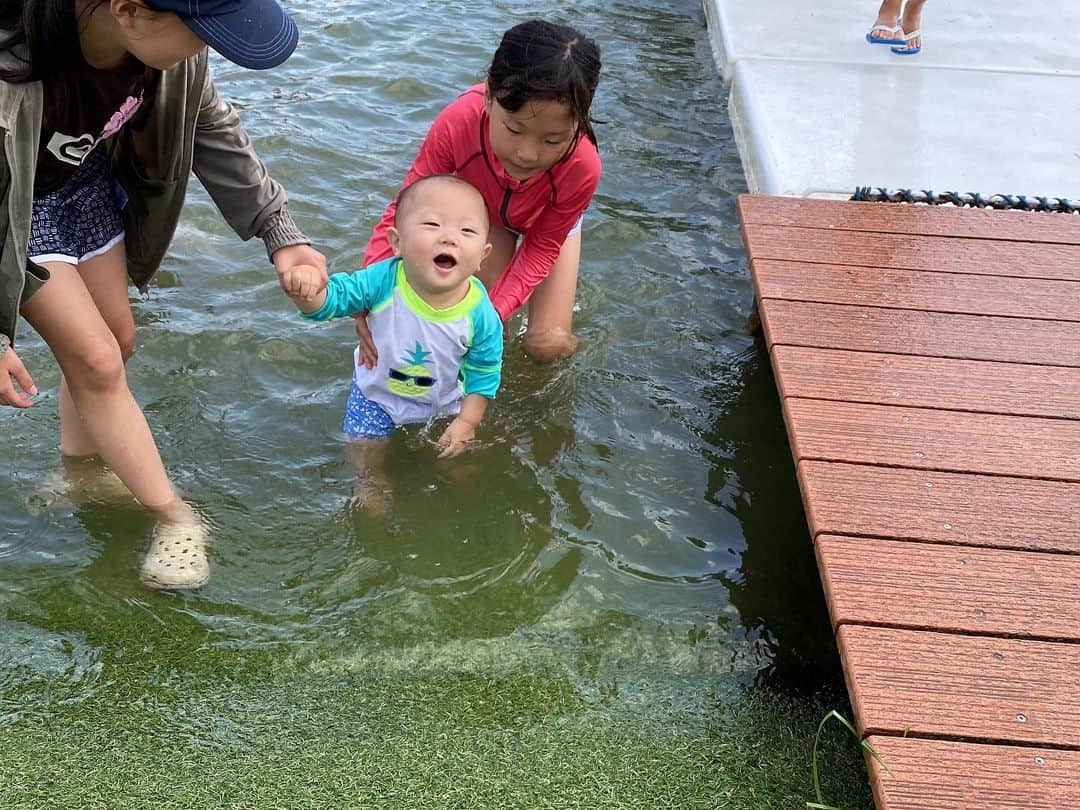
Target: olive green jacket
column 183, row 126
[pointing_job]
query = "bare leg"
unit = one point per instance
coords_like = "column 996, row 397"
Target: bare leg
column 550, row 334
column 65, row 315
column 372, row 490
column 551, row 307
column 106, row 280
column 888, row 14
column 912, row 21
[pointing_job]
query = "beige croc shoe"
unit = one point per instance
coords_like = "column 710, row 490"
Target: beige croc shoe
column 177, row 557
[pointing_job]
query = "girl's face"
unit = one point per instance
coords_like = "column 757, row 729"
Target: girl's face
column 533, row 139
column 157, row 39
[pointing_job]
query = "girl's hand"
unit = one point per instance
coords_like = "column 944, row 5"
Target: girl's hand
column 369, row 355
column 294, row 256
column 12, row 371
column 456, row 438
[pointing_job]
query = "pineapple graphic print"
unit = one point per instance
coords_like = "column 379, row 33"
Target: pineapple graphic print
column 415, row 379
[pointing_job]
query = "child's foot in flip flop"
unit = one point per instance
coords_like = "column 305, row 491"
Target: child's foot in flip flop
column 176, row 559
column 911, row 22
column 911, row 44
column 885, row 34
column 886, row 29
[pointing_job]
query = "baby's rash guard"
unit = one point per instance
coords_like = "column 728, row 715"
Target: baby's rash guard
column 541, row 210
column 429, row 359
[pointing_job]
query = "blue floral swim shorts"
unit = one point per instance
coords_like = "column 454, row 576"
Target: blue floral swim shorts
column 365, row 419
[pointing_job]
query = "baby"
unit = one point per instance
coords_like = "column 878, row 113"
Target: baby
column 439, row 339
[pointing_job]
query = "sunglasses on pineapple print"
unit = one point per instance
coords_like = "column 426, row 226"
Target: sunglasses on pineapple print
column 423, row 382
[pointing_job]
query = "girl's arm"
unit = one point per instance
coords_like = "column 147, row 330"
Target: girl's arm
column 540, row 247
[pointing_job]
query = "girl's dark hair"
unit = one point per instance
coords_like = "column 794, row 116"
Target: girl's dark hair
column 539, row 60
column 48, row 31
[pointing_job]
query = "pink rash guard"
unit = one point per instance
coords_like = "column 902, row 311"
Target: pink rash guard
column 542, row 209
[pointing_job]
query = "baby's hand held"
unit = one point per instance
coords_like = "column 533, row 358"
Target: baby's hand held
column 303, row 281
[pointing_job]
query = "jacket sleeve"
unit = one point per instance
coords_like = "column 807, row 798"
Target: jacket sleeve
column 225, row 162
column 540, row 248
column 436, row 156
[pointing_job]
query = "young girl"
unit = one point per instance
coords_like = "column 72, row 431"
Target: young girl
column 524, row 139
column 107, row 106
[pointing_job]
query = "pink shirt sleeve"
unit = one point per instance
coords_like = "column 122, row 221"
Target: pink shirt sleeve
column 436, row 156
column 542, row 243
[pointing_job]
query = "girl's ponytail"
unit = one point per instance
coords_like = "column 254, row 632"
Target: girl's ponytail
column 539, row 60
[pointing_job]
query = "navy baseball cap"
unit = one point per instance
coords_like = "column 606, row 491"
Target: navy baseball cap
column 254, row 34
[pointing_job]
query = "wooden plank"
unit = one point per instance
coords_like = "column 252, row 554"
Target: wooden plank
column 900, row 331
column 969, row 590
column 908, row 289
column 977, row 223
column 937, row 254
column 940, row 507
column 928, row 382
column 934, row 440
column 943, row 685
column 945, row 775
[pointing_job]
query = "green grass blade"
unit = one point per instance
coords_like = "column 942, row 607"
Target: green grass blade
column 835, row 715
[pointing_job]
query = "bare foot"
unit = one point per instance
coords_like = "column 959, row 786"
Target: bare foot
column 374, row 499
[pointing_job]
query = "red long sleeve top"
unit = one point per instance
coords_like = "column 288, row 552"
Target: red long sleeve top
column 542, row 209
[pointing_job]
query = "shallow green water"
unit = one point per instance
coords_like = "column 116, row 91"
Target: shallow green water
column 612, row 603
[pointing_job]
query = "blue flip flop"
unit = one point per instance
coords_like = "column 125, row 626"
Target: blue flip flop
column 891, row 40
column 906, row 51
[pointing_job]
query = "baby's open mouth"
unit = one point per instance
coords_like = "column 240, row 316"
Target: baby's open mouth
column 445, row 261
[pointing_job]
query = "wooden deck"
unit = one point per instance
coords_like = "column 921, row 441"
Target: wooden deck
column 928, row 360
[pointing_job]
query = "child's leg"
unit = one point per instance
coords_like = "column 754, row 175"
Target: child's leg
column 912, row 22
column 106, row 280
column 368, row 427
column 372, row 490
column 549, row 336
column 67, row 318
column 888, row 14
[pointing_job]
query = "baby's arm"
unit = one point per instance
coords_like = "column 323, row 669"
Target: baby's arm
column 345, row 293
column 460, row 433
column 304, row 285
column 481, row 374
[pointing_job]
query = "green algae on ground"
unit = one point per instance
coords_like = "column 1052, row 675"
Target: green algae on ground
column 523, row 739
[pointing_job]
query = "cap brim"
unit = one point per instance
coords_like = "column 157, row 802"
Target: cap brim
column 259, row 35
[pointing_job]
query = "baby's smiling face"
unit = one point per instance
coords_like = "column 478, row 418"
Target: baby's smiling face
column 442, row 236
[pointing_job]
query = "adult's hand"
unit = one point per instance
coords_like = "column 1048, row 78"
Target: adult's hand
column 286, row 258
column 13, row 377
